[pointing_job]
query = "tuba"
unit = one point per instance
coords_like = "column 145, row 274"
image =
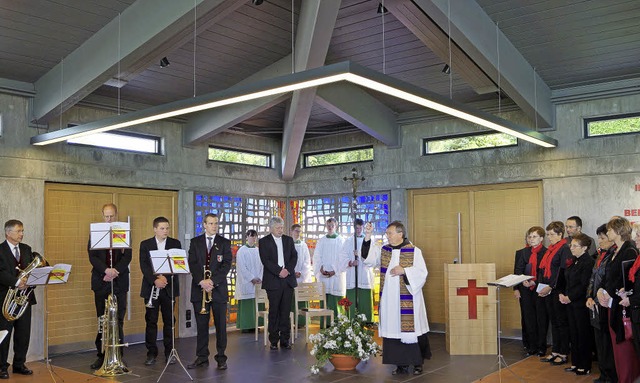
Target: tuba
column 16, row 300
column 113, row 364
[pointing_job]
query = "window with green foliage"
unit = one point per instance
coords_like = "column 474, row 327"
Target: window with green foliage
column 612, row 125
column 338, row 157
column 239, row 157
column 464, row 142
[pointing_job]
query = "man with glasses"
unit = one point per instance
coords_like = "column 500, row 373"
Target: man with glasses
column 573, row 226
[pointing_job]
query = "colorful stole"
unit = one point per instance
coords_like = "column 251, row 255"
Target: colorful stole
column 406, row 299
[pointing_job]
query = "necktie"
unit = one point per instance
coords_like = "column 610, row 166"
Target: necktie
column 17, row 253
column 209, row 244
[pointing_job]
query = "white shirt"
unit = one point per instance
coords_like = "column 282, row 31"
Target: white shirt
column 278, row 241
column 365, row 272
column 161, row 245
column 304, row 262
column 390, row 299
column 248, row 267
column 327, row 256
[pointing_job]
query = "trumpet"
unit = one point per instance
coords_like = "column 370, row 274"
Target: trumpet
column 206, row 296
column 155, row 293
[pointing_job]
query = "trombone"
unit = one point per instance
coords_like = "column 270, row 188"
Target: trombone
column 206, row 296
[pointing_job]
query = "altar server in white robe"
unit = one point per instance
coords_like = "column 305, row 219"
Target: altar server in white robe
column 365, row 274
column 403, row 315
column 328, row 268
column 248, row 275
column 303, row 268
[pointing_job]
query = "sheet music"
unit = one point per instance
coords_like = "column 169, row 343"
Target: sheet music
column 171, row 261
column 510, row 280
column 114, row 235
column 59, row 274
column 49, row 275
column 160, row 261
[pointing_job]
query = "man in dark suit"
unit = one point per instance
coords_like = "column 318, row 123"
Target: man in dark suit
column 13, row 254
column 210, row 252
column 163, row 285
column 109, row 267
column 279, row 257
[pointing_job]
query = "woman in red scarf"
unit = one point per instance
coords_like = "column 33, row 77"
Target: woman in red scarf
column 600, row 313
column 526, row 262
column 550, row 283
column 624, row 355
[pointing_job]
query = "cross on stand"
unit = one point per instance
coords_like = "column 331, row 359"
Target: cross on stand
column 472, row 292
column 354, row 204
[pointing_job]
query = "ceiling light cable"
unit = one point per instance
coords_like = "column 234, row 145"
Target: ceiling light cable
column 384, row 52
column 195, row 27
column 450, row 73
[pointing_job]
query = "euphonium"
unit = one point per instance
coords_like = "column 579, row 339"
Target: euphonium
column 206, row 296
column 155, row 293
column 112, row 364
column 17, row 301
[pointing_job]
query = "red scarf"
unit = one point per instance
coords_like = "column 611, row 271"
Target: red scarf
column 548, row 256
column 533, row 260
column 634, row 270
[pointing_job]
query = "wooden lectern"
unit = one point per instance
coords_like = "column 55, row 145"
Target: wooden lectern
column 470, row 309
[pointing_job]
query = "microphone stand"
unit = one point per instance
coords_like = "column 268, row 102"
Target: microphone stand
column 354, row 207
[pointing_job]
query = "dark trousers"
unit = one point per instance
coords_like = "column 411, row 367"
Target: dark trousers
column 279, row 308
column 581, row 346
column 161, row 305
column 559, row 323
column 202, row 322
column 542, row 317
column 530, row 337
column 21, row 330
column 122, row 310
column 604, row 348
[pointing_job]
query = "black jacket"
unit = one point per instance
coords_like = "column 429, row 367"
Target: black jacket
column 220, row 265
column 148, row 276
column 269, row 257
column 522, row 264
column 614, row 280
column 558, row 264
column 121, row 261
column 577, row 276
column 8, row 264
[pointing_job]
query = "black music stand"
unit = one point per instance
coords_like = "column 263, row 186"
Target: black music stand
column 171, row 262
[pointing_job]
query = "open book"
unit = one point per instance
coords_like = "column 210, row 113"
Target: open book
column 510, row 280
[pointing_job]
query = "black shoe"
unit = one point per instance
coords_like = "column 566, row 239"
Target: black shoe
column 4, row 374
column 151, row 360
column 199, row 362
column 417, row 370
column 172, row 361
column 286, row 345
column 23, row 370
column 582, row 371
column 400, row 370
column 571, row 369
column 222, row 366
column 97, row 364
column 274, row 346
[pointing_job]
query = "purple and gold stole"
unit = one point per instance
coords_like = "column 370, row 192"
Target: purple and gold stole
column 406, row 299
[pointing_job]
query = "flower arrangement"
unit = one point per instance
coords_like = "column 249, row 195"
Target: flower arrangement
column 346, row 336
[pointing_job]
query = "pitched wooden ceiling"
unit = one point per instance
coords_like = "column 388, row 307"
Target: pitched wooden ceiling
column 57, row 47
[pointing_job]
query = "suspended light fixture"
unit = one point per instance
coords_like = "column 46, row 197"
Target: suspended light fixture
column 344, row 71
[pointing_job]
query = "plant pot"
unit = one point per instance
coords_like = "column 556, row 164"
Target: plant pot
column 344, row 362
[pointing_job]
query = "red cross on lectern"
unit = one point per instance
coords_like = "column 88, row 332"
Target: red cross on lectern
column 472, row 293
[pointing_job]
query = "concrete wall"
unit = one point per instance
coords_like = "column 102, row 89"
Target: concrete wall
column 593, row 178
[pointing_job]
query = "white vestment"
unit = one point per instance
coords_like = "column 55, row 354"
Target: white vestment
column 304, row 262
column 365, row 272
column 390, row 300
column 248, row 267
column 327, row 256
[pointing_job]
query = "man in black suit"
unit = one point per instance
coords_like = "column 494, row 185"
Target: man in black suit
column 13, row 254
column 109, row 267
column 279, row 257
column 166, row 292
column 211, row 252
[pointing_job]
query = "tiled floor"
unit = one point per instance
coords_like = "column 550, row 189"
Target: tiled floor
column 250, row 361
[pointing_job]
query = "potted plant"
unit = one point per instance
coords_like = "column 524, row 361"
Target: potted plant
column 344, row 344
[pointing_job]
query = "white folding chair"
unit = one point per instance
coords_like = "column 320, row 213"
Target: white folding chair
column 311, row 292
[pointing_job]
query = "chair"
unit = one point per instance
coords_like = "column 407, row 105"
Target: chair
column 311, row 292
column 261, row 297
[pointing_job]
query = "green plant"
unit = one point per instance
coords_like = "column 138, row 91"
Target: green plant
column 346, row 336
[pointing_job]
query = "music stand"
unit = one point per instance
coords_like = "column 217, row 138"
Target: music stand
column 171, row 262
column 48, row 275
column 506, row 281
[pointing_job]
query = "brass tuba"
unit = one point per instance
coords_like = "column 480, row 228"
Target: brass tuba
column 16, row 300
column 112, row 364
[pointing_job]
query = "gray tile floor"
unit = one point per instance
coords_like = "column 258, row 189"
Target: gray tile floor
column 251, row 362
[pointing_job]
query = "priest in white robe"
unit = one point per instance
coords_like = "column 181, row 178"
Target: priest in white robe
column 303, row 269
column 328, row 267
column 403, row 314
column 365, row 274
column 248, row 275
